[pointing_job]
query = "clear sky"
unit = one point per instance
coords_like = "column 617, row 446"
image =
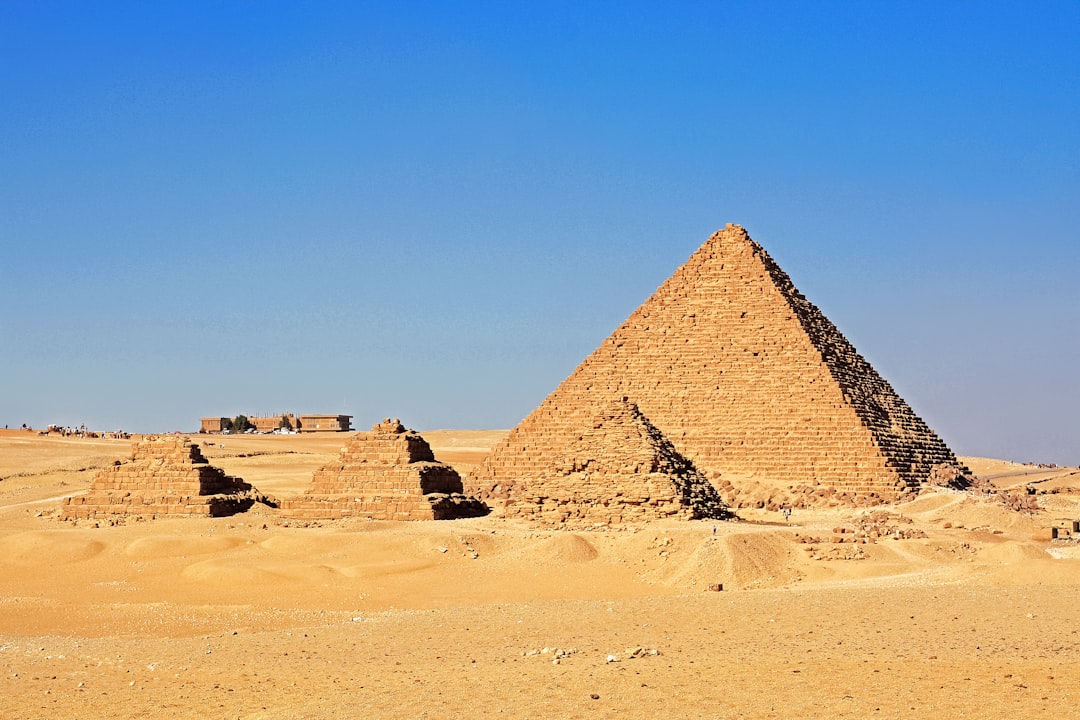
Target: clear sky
column 435, row 211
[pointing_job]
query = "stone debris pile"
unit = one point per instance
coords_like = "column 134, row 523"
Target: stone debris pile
column 557, row 654
column 1024, row 500
column 164, row 476
column 867, row 529
column 388, row 473
column 747, row 380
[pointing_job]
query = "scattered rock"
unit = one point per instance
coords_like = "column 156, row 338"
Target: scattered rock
column 640, row 652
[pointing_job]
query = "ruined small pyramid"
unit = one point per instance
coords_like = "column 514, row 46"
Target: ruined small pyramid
column 389, row 473
column 165, row 476
column 620, row 468
column 747, row 379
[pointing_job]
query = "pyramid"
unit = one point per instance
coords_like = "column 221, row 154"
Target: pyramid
column 165, row 475
column 388, row 473
column 619, row 468
column 747, row 379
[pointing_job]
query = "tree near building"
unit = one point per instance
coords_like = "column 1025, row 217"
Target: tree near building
column 240, row 423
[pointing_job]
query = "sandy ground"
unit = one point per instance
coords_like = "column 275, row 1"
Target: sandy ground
column 257, row 616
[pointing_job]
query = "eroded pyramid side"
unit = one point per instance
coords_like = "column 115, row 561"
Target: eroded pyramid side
column 618, row 468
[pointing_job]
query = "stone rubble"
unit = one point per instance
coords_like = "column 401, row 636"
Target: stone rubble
column 866, row 529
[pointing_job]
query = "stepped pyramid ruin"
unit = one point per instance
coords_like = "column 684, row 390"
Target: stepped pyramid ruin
column 748, row 380
column 388, row 473
column 165, row 475
column 619, row 469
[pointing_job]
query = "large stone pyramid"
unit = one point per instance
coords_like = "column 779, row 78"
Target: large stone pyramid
column 388, row 473
column 165, row 476
column 747, row 379
column 620, row 468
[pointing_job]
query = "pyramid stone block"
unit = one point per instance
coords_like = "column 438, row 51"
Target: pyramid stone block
column 746, row 378
column 619, row 468
column 388, row 473
column 165, row 475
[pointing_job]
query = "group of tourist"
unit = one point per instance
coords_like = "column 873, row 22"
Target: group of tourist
column 79, row 432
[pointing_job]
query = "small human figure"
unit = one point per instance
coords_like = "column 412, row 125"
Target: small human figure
column 786, row 512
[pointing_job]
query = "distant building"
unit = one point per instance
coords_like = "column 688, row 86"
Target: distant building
column 214, row 424
column 325, row 423
column 303, row 423
column 269, row 424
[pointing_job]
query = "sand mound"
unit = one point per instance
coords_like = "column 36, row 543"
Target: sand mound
column 984, row 512
column 162, row 546
column 386, row 568
column 759, row 559
column 30, row 548
column 273, row 573
column 737, row 561
column 1009, row 553
column 571, row 548
column 929, row 503
column 309, row 544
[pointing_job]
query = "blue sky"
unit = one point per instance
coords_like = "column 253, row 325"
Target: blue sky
column 436, row 211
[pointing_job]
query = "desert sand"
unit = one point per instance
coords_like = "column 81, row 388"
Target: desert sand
column 970, row 614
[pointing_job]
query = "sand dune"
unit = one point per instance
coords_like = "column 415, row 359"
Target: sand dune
column 59, row 548
column 261, row 616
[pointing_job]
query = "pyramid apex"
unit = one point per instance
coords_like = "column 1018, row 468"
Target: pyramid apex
column 731, row 231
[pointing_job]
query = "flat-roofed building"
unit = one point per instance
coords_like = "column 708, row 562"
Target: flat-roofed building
column 272, row 422
column 214, row 424
column 325, row 423
column 265, row 424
